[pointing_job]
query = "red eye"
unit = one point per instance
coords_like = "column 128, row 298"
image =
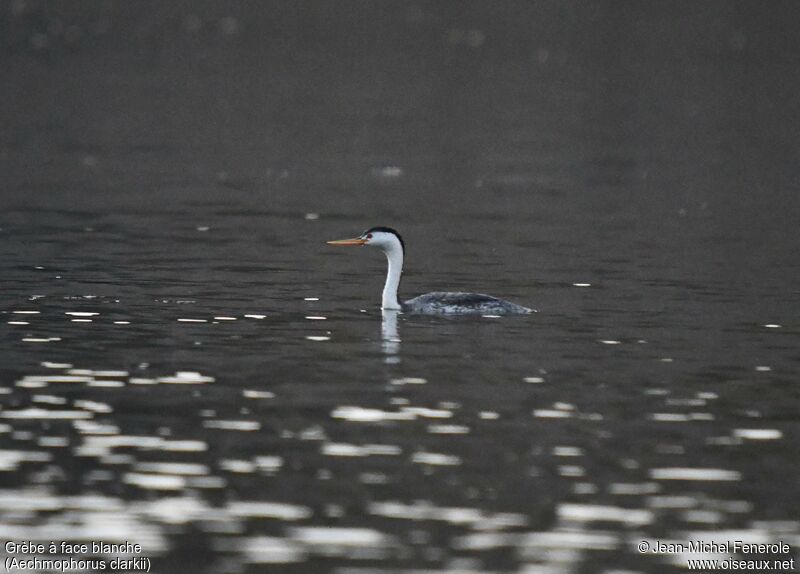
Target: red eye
column 369, row 236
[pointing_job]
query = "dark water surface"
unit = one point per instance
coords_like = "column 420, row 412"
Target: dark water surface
column 187, row 366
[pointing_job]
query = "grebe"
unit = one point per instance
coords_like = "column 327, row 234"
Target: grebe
column 439, row 302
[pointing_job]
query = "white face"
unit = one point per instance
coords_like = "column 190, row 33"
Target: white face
column 381, row 239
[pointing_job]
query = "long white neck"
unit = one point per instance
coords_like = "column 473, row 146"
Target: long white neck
column 394, row 255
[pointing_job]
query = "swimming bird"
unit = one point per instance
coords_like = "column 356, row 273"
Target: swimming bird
column 439, row 302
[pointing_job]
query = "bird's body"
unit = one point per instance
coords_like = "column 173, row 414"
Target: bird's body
column 438, row 302
column 457, row 303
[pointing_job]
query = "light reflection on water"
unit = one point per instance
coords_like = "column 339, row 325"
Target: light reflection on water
column 183, row 470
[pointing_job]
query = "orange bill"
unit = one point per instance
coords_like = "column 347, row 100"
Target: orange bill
column 354, row 241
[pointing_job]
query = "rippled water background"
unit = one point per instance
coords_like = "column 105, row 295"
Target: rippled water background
column 186, row 365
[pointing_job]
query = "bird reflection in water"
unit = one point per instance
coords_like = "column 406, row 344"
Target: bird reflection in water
column 390, row 340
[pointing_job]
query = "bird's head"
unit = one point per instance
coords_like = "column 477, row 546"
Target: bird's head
column 386, row 238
